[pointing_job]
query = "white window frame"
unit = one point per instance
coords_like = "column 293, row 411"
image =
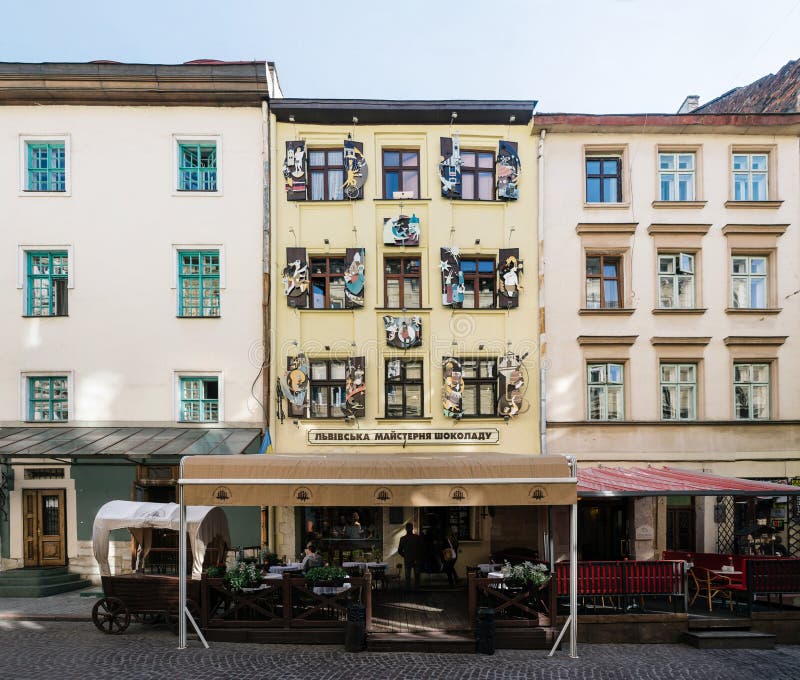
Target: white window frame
column 748, row 275
column 680, row 259
column 604, row 385
column 177, row 140
column 61, row 137
column 24, row 394
column 676, row 173
column 176, row 406
column 750, row 384
column 750, row 172
column 677, row 365
column 22, row 269
column 175, row 249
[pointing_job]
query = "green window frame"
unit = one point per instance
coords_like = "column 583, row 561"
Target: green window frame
column 751, row 386
column 605, row 391
column 197, row 166
column 48, row 398
column 47, row 166
column 198, row 283
column 199, row 399
column 47, row 283
column 678, row 391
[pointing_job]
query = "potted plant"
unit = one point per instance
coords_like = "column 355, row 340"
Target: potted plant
column 326, row 576
column 526, row 575
column 216, row 571
column 242, row 576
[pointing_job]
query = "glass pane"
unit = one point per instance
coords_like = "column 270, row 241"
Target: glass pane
column 318, row 293
column 316, row 158
column 393, row 293
column 758, row 293
column 596, row 402
column 336, row 265
column 666, row 264
column 610, row 269
column 319, row 370
column 615, row 407
column 410, row 158
column 686, row 187
column 760, row 373
column 469, row 368
column 610, row 190
column 758, row 265
column 487, row 368
column 338, row 369
column 485, row 160
column 319, row 266
column 610, row 167
column 394, row 401
column 666, row 291
column 414, row 401
column 391, row 158
column 337, row 293
column 335, row 185
column 667, row 187
column 615, row 373
column 469, row 266
column 760, row 401
column 758, row 162
column 392, row 183
column 686, row 405
column 411, row 182
column 487, row 407
column 759, row 187
column 486, row 186
column 741, row 398
column 686, row 263
column 468, row 158
column 411, row 265
column 592, row 190
column 393, row 369
column 669, row 373
column 592, row 167
column 685, row 292
column 593, row 266
column 411, row 293
column 611, row 293
column 666, row 161
column 319, row 401
column 485, row 293
column 414, row 371
column 51, row 513
column 393, row 265
column 739, row 265
column 740, row 188
column 467, row 187
column 739, row 288
column 597, row 373
column 686, row 161
column 741, row 373
column 337, row 398
column 687, row 373
column 739, row 162
column 469, row 400
column 668, row 394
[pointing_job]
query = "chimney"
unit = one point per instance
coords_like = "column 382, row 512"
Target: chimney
column 690, row 104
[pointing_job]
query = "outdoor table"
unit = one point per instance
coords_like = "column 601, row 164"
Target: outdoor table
column 331, row 590
column 486, row 568
column 280, row 569
column 365, row 565
column 496, row 574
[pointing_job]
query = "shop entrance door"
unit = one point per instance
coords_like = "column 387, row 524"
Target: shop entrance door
column 44, row 527
column 603, row 530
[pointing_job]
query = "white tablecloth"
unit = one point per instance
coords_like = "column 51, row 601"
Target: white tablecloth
column 279, row 569
column 486, row 568
column 496, row 574
column 365, row 565
column 331, row 590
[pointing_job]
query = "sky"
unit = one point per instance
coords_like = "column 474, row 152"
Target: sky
column 592, row 56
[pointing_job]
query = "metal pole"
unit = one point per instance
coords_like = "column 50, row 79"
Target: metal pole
column 181, row 564
column 573, row 567
column 551, row 552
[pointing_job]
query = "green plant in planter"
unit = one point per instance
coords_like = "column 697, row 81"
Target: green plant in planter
column 215, row 571
column 242, row 575
column 526, row 574
column 318, row 574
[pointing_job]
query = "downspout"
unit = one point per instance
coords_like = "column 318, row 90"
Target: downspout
column 266, row 380
column 542, row 318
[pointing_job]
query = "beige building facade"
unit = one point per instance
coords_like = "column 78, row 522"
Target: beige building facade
column 404, row 320
column 671, row 311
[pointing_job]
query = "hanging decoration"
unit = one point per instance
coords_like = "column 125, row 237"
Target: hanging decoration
column 401, row 231
column 295, row 277
column 294, row 171
column 403, row 332
column 452, row 388
column 509, row 268
column 450, row 166
column 512, row 383
column 507, row 171
column 354, row 278
column 355, row 169
column 355, row 387
column 294, row 383
column 452, row 277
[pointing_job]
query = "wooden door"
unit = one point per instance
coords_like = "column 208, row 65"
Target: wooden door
column 44, row 529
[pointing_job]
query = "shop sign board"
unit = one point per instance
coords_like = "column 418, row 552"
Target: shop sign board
column 427, row 437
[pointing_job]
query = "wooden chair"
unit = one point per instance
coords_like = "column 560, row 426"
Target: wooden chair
column 709, row 585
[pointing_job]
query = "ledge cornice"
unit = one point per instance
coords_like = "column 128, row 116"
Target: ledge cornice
column 763, row 340
column 607, row 339
column 606, row 227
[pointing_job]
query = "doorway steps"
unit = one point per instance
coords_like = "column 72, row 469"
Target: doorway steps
column 728, row 633
column 39, row 582
column 459, row 641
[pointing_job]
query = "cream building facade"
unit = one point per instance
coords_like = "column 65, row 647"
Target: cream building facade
column 671, row 312
column 131, row 291
column 376, row 351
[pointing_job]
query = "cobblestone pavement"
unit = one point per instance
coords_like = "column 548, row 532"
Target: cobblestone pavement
column 62, row 606
column 32, row 650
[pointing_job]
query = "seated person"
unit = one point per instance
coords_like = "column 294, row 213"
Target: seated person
column 353, row 529
column 312, row 558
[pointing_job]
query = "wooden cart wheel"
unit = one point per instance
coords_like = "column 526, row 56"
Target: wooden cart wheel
column 111, row 615
column 172, row 615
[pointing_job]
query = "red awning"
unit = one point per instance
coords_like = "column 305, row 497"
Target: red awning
column 604, row 482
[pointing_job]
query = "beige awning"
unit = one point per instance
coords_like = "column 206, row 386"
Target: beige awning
column 379, row 479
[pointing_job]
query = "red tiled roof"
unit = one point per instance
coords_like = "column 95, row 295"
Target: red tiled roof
column 601, row 482
column 774, row 93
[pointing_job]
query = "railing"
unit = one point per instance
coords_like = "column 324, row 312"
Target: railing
column 286, row 603
column 513, row 605
column 773, row 577
column 625, row 583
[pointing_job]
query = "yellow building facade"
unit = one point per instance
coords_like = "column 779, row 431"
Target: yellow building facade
column 404, row 320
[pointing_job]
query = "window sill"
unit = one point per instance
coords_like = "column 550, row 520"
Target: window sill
column 753, row 204
column 45, row 316
column 669, row 423
column 480, row 310
column 404, row 309
column 181, row 316
column 679, row 204
column 482, row 419
column 178, row 192
column 753, row 311
column 472, row 201
column 401, row 200
column 27, row 192
column 326, row 201
column 625, row 311
column 679, row 310
column 316, row 309
column 399, row 419
column 618, row 206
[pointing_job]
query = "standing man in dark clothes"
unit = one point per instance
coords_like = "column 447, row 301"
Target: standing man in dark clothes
column 411, row 550
column 450, row 555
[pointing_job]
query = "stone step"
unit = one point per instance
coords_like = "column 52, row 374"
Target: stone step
column 428, row 641
column 729, row 639
column 38, row 579
column 719, row 624
column 42, row 590
column 31, row 572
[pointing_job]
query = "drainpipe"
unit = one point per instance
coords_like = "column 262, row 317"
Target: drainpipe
column 265, row 258
column 542, row 326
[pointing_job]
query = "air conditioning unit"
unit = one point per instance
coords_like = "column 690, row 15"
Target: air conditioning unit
column 400, row 195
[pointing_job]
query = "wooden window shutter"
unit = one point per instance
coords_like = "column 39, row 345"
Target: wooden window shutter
column 295, row 277
column 295, row 171
column 507, row 169
column 355, row 387
column 450, row 167
column 355, row 169
column 452, row 277
column 508, row 270
column 354, row 278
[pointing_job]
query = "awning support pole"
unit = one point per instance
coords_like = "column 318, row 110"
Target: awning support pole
column 181, row 565
column 568, row 622
column 573, row 575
